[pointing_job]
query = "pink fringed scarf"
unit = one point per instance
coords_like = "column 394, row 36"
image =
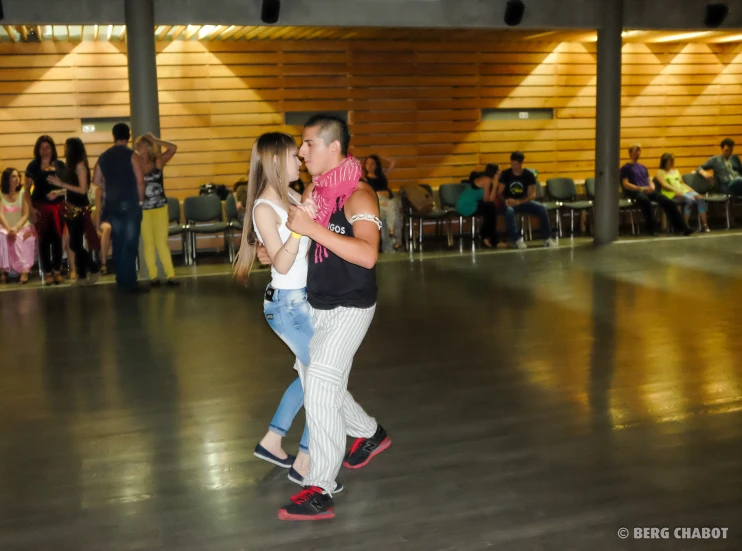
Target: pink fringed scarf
column 330, row 192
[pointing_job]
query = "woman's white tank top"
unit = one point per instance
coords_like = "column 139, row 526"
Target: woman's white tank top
column 296, row 278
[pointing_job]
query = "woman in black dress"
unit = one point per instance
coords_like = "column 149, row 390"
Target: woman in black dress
column 48, row 205
column 76, row 180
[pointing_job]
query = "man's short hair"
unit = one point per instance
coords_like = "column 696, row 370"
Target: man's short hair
column 727, row 142
column 517, row 156
column 632, row 147
column 331, row 128
column 121, row 132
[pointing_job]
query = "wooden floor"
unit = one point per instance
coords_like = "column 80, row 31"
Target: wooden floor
column 536, row 401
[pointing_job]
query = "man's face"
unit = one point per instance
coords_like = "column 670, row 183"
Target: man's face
column 318, row 157
column 727, row 151
column 517, row 166
column 636, row 153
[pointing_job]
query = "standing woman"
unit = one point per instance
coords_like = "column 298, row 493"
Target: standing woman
column 17, row 236
column 155, row 218
column 375, row 175
column 76, row 180
column 274, row 165
column 48, row 205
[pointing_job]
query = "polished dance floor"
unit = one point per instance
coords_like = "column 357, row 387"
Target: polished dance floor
column 537, row 400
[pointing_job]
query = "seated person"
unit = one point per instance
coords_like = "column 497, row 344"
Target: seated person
column 726, row 167
column 637, row 186
column 674, row 187
column 479, row 199
column 517, row 190
column 390, row 207
column 240, row 195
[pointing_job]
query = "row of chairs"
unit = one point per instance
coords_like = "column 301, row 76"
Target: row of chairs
column 203, row 215
column 560, row 197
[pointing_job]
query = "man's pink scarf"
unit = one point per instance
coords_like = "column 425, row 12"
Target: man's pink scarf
column 330, row 192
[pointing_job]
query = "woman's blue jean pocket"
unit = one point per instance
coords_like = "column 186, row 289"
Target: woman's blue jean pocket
column 290, row 318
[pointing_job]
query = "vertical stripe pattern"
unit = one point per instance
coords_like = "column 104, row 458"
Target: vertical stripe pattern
column 331, row 411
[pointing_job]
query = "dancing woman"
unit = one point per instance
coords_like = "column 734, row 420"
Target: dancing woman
column 274, row 164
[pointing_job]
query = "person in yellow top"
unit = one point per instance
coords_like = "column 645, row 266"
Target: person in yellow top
column 673, row 187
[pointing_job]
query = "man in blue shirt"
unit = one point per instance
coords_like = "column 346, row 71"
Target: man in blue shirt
column 119, row 173
column 726, row 168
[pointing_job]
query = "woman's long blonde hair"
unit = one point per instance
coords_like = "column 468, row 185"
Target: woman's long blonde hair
column 268, row 168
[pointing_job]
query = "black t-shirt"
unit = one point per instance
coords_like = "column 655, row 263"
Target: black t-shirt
column 516, row 187
column 42, row 188
column 73, row 198
column 334, row 282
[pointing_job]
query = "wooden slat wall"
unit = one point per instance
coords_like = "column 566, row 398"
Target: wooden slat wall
column 418, row 102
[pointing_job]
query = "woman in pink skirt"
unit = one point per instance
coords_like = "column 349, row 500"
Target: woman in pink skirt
column 17, row 236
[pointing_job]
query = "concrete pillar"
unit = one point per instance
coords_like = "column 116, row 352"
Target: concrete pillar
column 143, row 99
column 608, row 122
column 140, row 48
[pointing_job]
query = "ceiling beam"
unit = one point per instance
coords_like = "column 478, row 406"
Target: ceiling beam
column 281, row 32
column 95, row 31
column 38, row 33
column 193, row 30
column 24, row 32
column 254, row 32
column 178, row 31
column 726, row 38
column 242, row 32
column 216, row 31
column 229, row 31
column 122, row 36
column 163, row 32
column 9, row 30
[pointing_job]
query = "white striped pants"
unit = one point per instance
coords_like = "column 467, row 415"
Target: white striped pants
column 330, row 409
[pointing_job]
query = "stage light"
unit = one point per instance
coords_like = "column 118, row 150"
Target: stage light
column 716, row 14
column 514, row 12
column 270, row 10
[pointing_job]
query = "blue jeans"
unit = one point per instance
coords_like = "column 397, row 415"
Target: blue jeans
column 289, row 316
column 691, row 200
column 126, row 224
column 531, row 208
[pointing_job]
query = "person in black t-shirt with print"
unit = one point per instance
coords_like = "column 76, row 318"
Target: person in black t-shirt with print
column 517, row 190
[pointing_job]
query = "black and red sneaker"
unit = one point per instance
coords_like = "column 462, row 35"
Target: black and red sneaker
column 312, row 503
column 363, row 449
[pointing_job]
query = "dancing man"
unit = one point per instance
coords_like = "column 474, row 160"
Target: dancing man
column 341, row 288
